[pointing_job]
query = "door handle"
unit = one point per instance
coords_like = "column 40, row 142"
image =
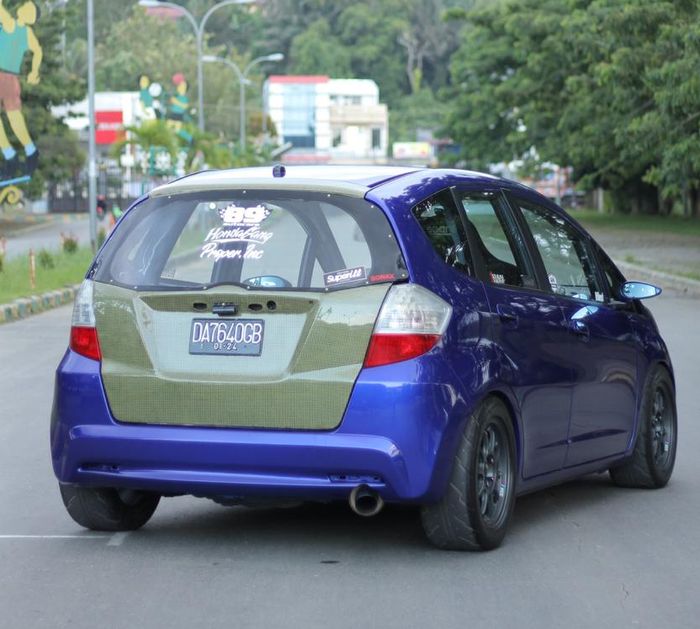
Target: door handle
column 506, row 315
column 579, row 328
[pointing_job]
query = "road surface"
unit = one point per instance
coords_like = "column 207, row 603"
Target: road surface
column 585, row 554
column 48, row 235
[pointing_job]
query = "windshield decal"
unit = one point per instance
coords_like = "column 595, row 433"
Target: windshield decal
column 345, row 276
column 236, row 216
column 241, row 225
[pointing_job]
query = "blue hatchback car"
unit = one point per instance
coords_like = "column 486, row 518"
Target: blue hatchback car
column 440, row 338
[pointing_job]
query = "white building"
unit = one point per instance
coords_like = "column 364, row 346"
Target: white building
column 328, row 120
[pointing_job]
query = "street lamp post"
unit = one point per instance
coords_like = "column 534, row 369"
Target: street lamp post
column 92, row 148
column 243, row 81
column 199, row 33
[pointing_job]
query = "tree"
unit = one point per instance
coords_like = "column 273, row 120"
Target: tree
column 318, row 51
column 580, row 80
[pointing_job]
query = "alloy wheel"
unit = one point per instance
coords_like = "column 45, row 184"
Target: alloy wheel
column 494, row 475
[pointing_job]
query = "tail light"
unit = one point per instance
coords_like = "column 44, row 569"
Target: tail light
column 411, row 322
column 83, row 334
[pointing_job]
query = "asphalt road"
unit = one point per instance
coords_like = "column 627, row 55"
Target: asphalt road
column 585, row 554
column 48, row 235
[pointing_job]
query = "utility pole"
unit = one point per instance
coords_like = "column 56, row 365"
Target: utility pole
column 92, row 149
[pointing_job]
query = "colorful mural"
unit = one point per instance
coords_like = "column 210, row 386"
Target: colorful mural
column 16, row 39
column 178, row 111
column 174, row 108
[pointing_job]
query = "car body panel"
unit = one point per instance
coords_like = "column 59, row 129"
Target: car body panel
column 312, row 352
column 604, row 358
column 391, row 438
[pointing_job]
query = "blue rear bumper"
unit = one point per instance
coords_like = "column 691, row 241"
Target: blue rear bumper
column 398, row 436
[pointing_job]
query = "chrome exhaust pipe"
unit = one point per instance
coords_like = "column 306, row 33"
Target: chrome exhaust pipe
column 365, row 501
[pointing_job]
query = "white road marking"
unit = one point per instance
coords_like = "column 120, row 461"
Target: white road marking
column 117, row 538
column 53, row 536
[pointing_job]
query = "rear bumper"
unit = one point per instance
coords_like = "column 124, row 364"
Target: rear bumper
column 397, row 436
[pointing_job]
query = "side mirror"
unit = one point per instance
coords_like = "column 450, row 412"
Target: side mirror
column 638, row 290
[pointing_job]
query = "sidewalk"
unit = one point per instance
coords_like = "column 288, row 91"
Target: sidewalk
column 670, row 260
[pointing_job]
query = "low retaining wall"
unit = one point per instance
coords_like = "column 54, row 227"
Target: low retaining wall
column 21, row 308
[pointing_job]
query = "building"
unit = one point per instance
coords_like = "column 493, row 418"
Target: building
column 328, row 120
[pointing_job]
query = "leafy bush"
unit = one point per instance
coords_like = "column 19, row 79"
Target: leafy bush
column 101, row 236
column 69, row 242
column 45, row 259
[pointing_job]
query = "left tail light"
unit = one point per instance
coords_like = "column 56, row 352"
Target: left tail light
column 83, row 334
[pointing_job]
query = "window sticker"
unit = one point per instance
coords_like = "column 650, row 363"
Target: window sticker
column 235, row 216
column 240, row 225
column 382, row 277
column 345, row 276
column 497, row 278
column 553, row 282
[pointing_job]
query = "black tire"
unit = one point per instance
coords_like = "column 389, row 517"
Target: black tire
column 654, row 455
column 464, row 518
column 106, row 509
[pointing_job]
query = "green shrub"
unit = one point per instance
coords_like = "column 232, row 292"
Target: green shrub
column 101, row 237
column 70, row 243
column 2, row 261
column 45, row 259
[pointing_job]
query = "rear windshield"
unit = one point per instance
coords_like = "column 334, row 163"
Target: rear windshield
column 268, row 240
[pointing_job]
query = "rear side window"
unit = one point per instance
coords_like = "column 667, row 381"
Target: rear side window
column 276, row 240
column 501, row 254
column 443, row 226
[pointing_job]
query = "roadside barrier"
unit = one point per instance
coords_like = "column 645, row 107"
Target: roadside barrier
column 21, row 308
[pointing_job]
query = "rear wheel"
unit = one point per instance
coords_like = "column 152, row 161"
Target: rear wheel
column 106, row 509
column 654, row 456
column 475, row 511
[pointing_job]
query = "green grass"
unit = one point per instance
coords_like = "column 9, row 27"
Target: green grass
column 68, row 269
column 658, row 224
column 693, row 275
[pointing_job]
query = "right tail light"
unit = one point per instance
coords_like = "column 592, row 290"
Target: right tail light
column 411, row 322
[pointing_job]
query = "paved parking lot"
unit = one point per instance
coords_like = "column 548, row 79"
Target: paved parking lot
column 584, row 554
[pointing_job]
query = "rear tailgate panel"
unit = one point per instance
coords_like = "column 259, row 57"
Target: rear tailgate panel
column 313, row 350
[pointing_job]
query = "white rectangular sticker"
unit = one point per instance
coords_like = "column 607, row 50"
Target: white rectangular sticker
column 345, row 276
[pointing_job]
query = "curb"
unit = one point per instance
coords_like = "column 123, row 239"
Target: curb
column 48, row 219
column 684, row 285
column 23, row 308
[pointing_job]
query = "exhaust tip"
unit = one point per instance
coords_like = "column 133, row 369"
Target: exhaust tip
column 365, row 501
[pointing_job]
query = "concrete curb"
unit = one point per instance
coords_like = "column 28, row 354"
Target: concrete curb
column 684, row 285
column 47, row 219
column 22, row 308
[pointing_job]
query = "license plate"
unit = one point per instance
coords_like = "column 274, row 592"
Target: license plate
column 230, row 337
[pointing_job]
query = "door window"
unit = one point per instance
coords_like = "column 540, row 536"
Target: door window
column 495, row 241
column 565, row 254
